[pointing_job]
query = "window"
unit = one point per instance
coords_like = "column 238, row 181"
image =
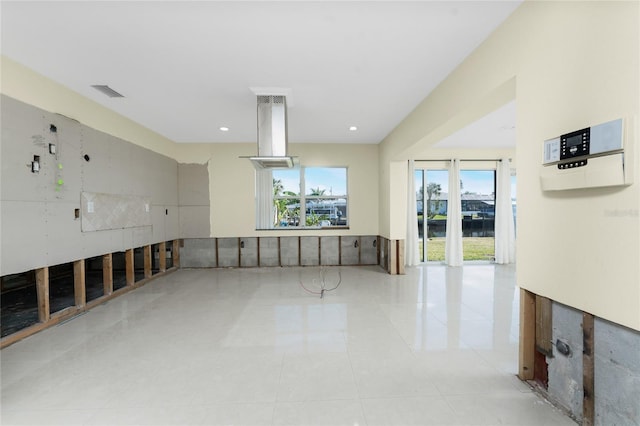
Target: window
column 308, row 197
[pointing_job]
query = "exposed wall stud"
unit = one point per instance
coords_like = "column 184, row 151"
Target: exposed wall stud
column 176, row 253
column 42, row 289
column 147, row 261
column 107, row 273
column 162, row 254
column 527, row 347
column 80, row 290
column 129, row 266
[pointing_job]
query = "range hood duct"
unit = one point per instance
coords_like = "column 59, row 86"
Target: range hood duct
column 272, row 134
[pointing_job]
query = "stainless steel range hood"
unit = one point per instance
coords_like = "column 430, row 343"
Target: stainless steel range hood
column 272, row 134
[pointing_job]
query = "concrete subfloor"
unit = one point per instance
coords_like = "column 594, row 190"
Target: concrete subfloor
column 437, row 346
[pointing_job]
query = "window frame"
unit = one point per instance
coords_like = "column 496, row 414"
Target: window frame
column 303, row 200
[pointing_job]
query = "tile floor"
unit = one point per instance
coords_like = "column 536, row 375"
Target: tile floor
column 437, row 346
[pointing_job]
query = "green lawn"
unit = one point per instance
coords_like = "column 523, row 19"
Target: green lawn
column 473, row 248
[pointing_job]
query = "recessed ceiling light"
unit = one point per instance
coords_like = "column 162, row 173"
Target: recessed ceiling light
column 353, row 128
column 224, row 129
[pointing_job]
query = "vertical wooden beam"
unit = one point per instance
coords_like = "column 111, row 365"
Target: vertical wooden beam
column 79, row 288
column 162, row 253
column 258, row 242
column 393, row 261
column 42, row 289
column 279, row 252
column 588, row 355
column 400, row 255
column 147, row 261
column 107, row 273
column 527, row 347
column 544, row 326
column 129, row 266
column 217, row 256
column 176, row 253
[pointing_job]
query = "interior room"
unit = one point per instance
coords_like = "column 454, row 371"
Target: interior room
column 320, row 213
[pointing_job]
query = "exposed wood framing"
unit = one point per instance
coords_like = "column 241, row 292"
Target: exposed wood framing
column 107, row 273
column 147, row 261
column 393, row 261
column 162, row 256
column 42, row 289
column 279, row 252
column 400, row 257
column 129, row 266
column 544, row 326
column 176, row 253
column 527, row 335
column 588, row 355
column 258, row 253
column 217, row 256
column 79, row 287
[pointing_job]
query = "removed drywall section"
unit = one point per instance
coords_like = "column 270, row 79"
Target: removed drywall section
column 198, row 253
column 195, row 208
column 565, row 371
column 617, row 374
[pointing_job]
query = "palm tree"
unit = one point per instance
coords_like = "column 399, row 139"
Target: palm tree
column 433, row 191
column 317, row 191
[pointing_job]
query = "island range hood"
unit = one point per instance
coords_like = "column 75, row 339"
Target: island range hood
column 272, row 134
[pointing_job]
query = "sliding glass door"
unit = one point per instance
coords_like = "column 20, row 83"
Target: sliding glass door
column 431, row 195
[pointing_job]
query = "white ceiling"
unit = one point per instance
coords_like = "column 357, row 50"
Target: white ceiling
column 186, row 67
column 495, row 130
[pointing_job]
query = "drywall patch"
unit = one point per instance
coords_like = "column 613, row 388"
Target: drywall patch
column 111, row 211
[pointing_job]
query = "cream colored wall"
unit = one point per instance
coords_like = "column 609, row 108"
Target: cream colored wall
column 232, row 185
column 568, row 65
column 27, row 86
column 231, row 178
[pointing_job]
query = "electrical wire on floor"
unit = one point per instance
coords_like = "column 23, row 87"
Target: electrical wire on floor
column 322, row 282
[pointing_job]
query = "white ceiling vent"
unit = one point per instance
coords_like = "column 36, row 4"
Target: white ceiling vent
column 107, row 91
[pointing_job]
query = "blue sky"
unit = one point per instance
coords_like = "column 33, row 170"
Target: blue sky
column 332, row 179
column 475, row 181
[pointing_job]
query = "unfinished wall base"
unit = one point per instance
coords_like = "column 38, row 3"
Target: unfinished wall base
column 594, row 368
column 293, row 251
column 50, row 310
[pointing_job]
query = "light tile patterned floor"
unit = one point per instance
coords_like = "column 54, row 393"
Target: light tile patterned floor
column 437, row 346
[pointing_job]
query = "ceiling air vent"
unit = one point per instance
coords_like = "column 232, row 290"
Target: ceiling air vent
column 107, row 91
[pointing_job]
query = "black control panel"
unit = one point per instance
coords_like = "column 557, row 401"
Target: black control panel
column 575, row 144
column 572, row 164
